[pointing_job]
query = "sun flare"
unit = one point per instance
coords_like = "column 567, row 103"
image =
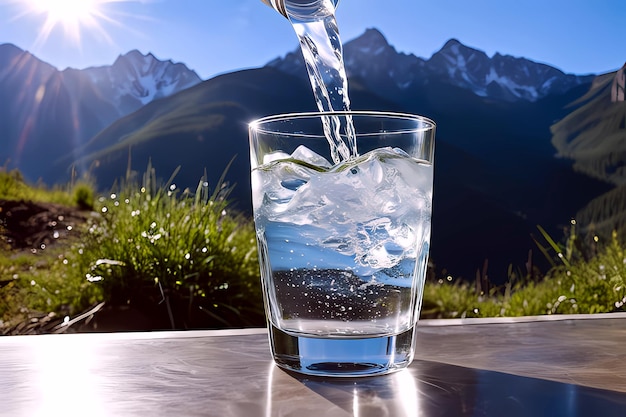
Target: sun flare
column 74, row 17
column 71, row 15
column 66, row 11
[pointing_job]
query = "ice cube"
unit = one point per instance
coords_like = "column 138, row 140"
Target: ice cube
column 302, row 153
column 274, row 156
column 281, row 182
column 371, row 208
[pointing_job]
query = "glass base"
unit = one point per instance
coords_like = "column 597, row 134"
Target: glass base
column 341, row 357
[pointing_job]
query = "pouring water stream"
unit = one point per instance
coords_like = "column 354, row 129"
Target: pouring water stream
column 316, row 27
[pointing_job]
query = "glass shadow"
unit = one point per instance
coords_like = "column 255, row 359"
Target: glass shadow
column 430, row 389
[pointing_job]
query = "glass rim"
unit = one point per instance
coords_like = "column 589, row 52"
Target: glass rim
column 253, row 125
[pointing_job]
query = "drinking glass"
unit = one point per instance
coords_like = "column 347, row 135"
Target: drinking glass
column 343, row 246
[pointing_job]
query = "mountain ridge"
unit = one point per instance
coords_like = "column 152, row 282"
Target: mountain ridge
column 500, row 77
column 47, row 113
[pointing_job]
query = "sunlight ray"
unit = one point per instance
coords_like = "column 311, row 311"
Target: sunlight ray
column 73, row 17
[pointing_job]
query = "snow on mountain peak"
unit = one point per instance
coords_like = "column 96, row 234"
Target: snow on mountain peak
column 377, row 63
column 373, row 42
column 146, row 78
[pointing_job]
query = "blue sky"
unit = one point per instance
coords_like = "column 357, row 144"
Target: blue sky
column 217, row 36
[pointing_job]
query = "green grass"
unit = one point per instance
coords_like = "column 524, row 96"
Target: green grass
column 578, row 283
column 184, row 251
column 33, row 285
column 184, row 259
column 14, row 187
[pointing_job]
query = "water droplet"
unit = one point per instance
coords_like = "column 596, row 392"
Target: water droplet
column 92, row 278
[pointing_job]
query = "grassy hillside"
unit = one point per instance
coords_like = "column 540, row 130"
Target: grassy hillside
column 593, row 135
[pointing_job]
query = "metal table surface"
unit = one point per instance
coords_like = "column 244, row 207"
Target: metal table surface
column 541, row 366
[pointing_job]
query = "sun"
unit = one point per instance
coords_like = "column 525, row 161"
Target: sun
column 71, row 15
column 73, row 18
column 70, row 12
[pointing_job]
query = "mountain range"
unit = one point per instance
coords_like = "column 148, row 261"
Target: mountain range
column 496, row 174
column 45, row 114
column 501, row 77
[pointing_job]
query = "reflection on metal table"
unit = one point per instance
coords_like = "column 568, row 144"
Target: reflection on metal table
column 539, row 366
